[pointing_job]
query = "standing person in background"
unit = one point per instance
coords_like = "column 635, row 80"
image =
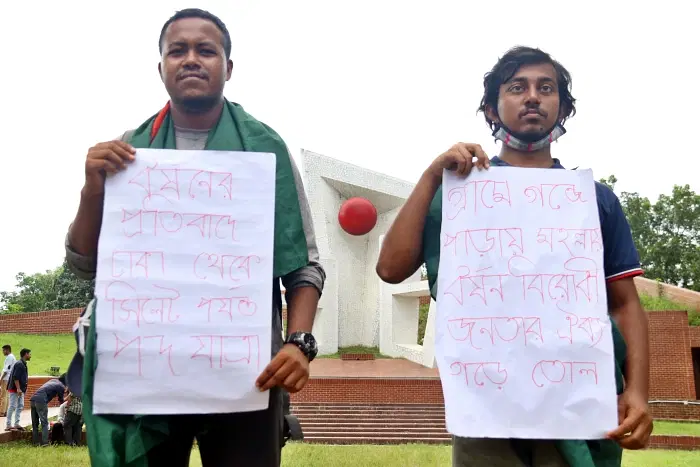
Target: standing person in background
column 16, row 387
column 5, row 377
column 40, row 407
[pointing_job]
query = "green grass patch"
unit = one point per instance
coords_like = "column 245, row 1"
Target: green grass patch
column 47, row 350
column 356, row 349
column 650, row 303
column 315, row 455
column 662, row 427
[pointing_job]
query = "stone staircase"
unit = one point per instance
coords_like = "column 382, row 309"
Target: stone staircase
column 372, row 424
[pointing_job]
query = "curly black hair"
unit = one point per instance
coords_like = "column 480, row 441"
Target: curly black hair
column 202, row 14
column 509, row 64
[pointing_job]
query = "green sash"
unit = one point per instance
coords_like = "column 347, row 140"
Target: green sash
column 578, row 453
column 124, row 440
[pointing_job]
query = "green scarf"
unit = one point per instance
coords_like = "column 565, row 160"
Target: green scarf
column 578, row 453
column 124, row 440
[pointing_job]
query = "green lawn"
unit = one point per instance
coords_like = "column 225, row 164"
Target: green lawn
column 355, row 349
column 305, row 455
column 47, row 350
column 662, row 427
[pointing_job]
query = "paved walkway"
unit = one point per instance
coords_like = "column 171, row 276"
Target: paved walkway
column 380, row 368
column 25, row 419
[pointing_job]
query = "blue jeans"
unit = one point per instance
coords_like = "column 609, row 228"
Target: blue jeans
column 15, row 406
column 40, row 413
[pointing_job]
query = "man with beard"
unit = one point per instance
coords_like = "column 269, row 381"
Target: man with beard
column 195, row 64
column 526, row 101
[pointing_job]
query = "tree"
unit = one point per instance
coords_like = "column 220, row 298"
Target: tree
column 666, row 233
column 52, row 290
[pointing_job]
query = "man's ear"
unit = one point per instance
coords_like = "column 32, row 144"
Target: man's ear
column 160, row 71
column 492, row 115
column 229, row 69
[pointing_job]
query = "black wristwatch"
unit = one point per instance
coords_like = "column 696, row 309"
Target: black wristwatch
column 306, row 343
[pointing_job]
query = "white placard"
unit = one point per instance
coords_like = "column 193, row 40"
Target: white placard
column 523, row 339
column 184, row 283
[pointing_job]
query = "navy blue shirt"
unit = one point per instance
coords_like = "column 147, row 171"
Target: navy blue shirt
column 48, row 391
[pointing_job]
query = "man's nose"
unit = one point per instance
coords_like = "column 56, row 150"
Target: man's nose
column 532, row 96
column 191, row 60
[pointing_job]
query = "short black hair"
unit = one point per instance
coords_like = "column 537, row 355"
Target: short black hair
column 509, row 64
column 24, row 352
column 202, row 14
column 7, row 347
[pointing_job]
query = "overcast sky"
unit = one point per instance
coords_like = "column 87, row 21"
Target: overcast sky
column 386, row 85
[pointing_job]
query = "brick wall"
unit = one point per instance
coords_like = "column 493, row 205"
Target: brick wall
column 43, row 322
column 371, row 391
column 674, row 411
column 671, row 365
column 695, row 336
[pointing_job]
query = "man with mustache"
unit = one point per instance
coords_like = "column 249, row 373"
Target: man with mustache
column 195, row 64
column 526, row 101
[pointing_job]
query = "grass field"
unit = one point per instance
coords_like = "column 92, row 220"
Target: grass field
column 305, row 455
column 47, row 350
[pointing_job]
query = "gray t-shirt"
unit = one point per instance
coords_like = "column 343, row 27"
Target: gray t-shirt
column 312, row 274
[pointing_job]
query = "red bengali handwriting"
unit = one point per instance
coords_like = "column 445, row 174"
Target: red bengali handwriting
column 484, row 194
column 479, row 373
column 579, row 280
column 136, row 346
column 229, row 267
column 589, row 328
column 218, row 348
column 138, row 262
column 153, row 222
column 481, row 241
column 482, row 285
column 169, row 183
column 552, row 194
column 229, row 305
column 587, row 240
column 130, row 306
column 495, row 329
column 222, row 351
column 549, row 372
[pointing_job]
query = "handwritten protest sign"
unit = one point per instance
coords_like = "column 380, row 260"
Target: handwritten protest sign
column 184, row 283
column 523, row 338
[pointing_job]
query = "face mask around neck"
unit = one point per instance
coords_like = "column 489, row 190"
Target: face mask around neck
column 501, row 134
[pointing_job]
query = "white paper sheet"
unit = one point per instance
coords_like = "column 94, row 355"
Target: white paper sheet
column 523, row 338
column 184, row 283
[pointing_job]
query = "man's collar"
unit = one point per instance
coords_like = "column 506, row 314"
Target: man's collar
column 497, row 161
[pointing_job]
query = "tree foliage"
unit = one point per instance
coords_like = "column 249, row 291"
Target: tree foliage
column 51, row 290
column 667, row 234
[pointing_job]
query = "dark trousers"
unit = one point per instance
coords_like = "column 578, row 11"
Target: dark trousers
column 40, row 413
column 72, row 428
column 250, row 439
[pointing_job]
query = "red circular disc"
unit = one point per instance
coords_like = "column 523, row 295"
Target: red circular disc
column 357, row 216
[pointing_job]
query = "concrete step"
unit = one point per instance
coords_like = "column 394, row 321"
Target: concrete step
column 367, row 411
column 374, row 440
column 374, row 428
column 356, row 415
column 368, row 424
column 372, row 434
